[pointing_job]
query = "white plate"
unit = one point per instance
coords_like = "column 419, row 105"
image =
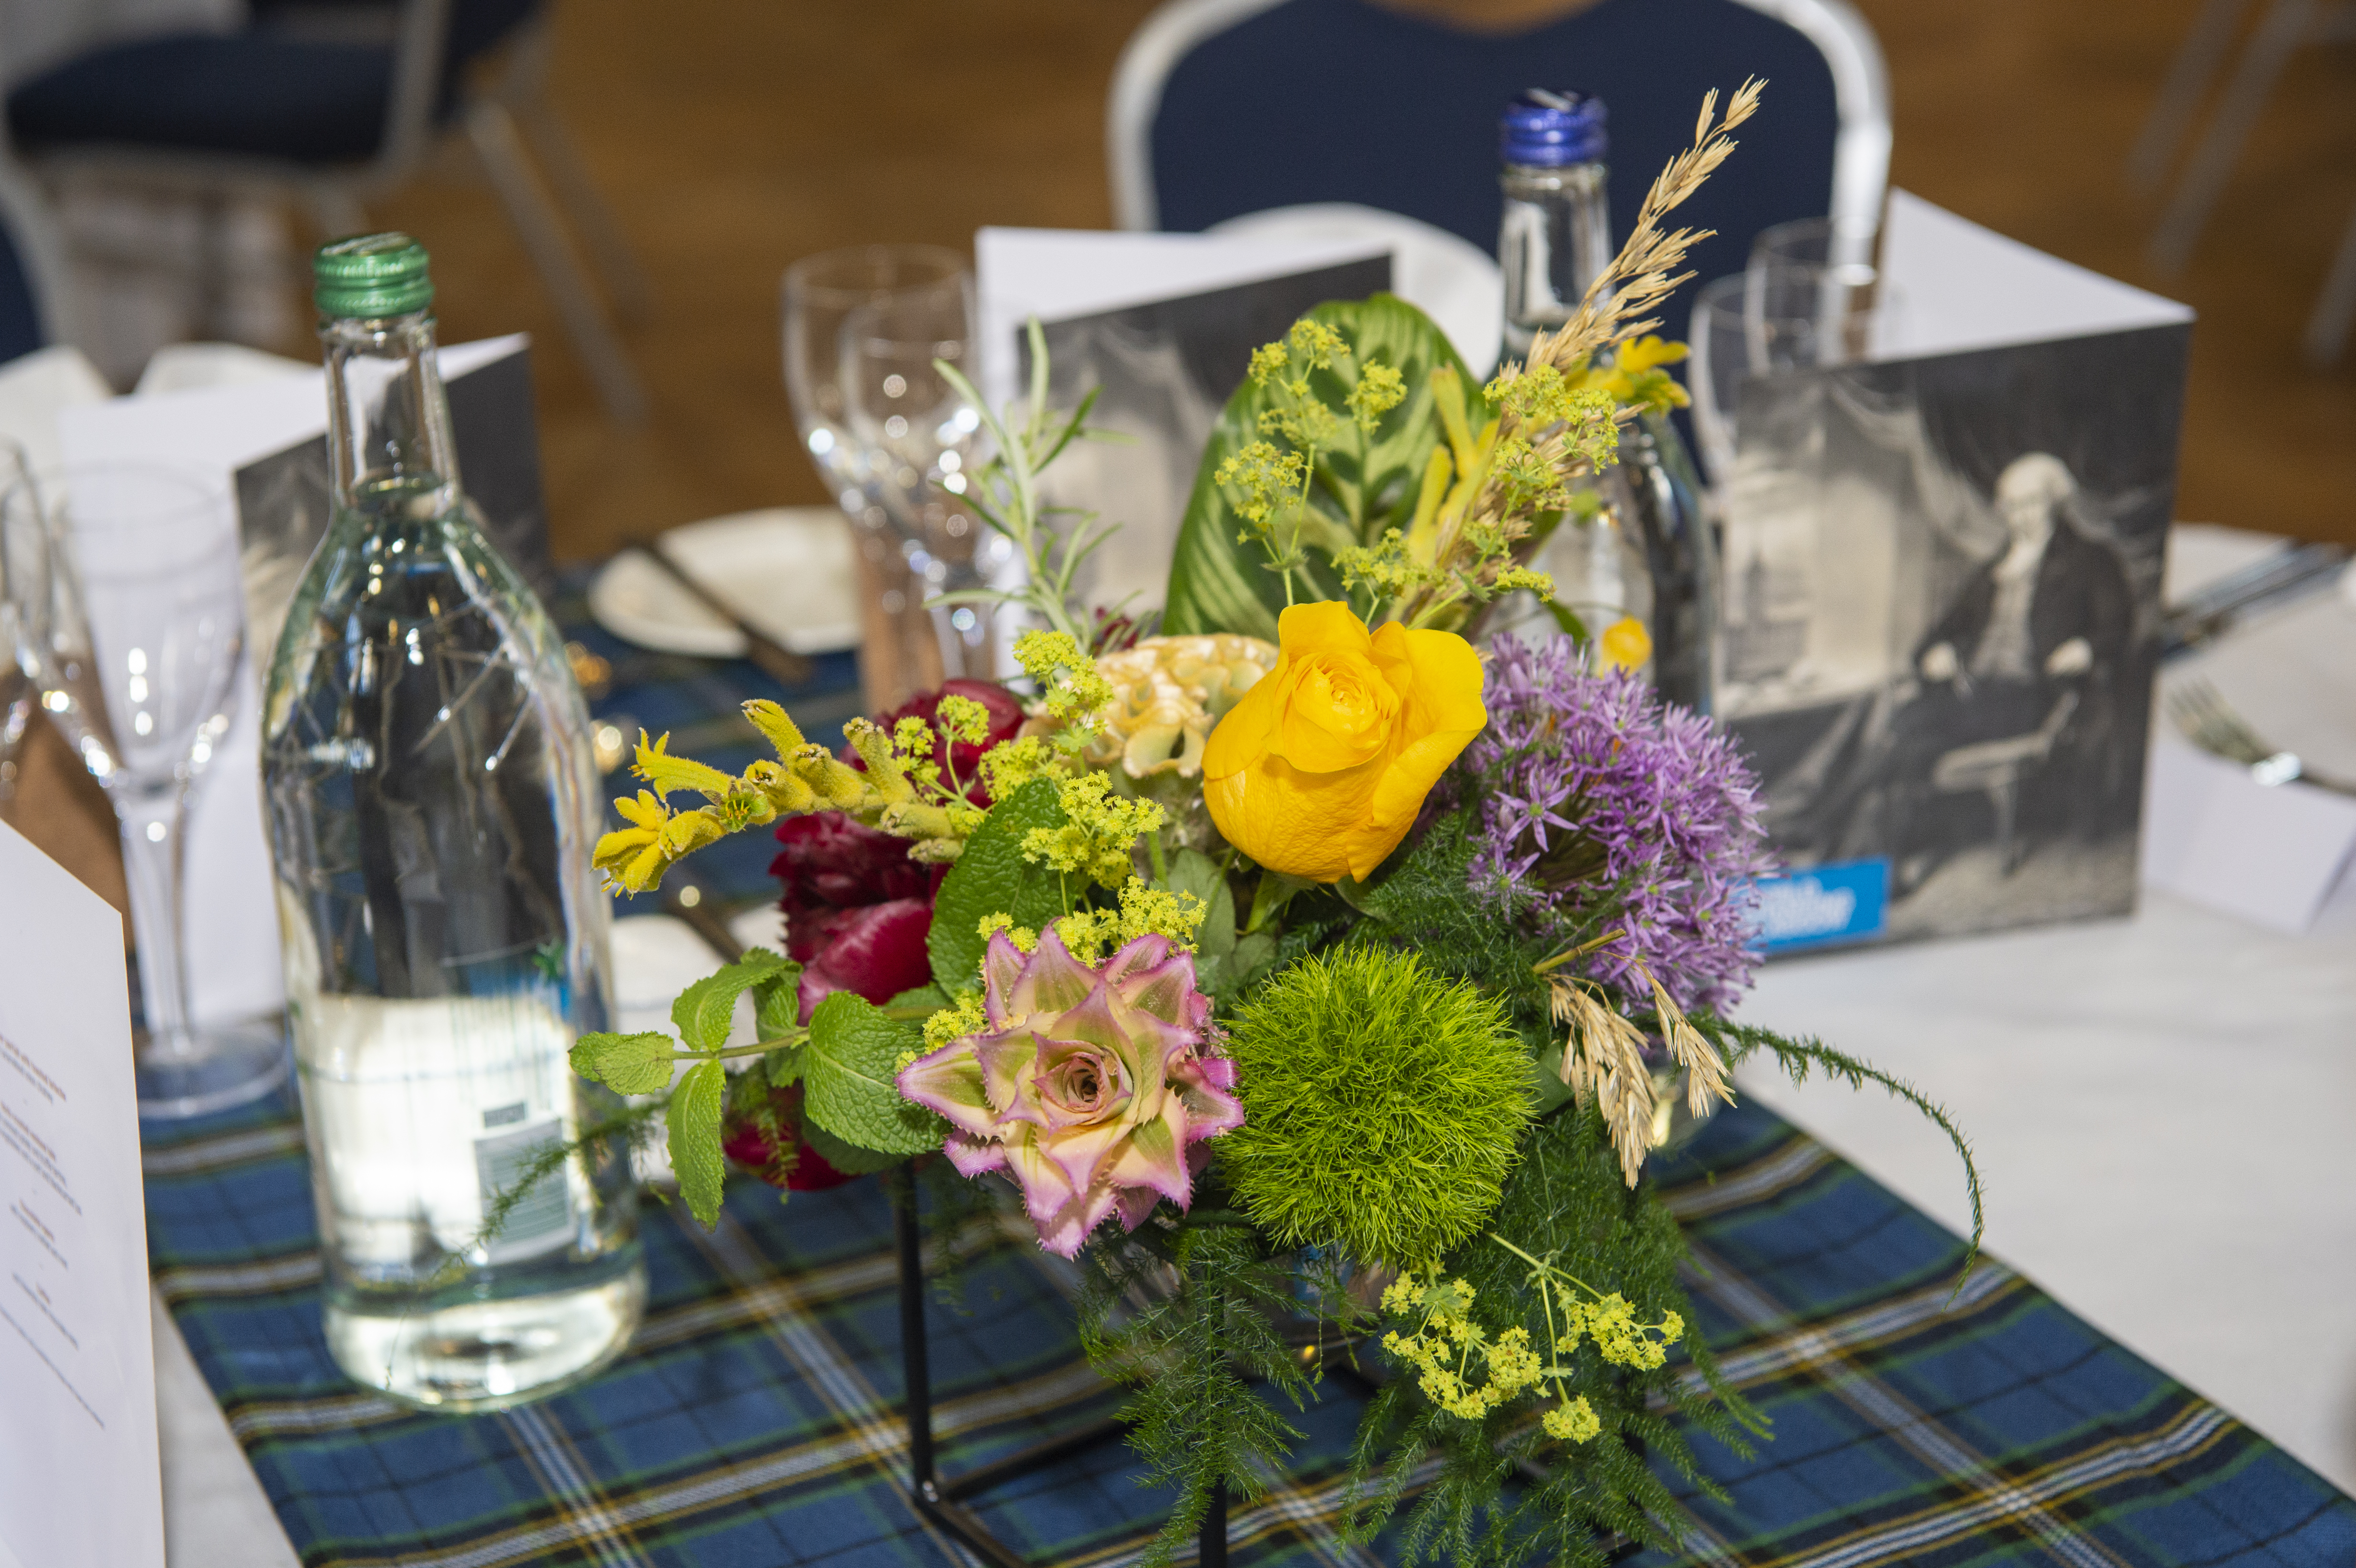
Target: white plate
column 1455, row 283
column 788, row 570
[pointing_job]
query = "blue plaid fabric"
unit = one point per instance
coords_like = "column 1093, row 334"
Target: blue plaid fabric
column 754, row 1422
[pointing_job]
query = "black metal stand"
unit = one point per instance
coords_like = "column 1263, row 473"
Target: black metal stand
column 941, row 1499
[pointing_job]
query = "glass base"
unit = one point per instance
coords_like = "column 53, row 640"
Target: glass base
column 212, row 1069
column 487, row 1355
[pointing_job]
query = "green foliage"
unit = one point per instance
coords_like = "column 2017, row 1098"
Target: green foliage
column 1004, row 492
column 847, row 1158
column 1365, row 482
column 602, row 1143
column 1565, row 1203
column 847, row 1068
column 1418, row 901
column 992, row 877
column 1737, row 1042
column 627, row 1063
column 705, row 1011
column 1382, row 1106
column 1194, row 1420
column 693, row 1123
column 1227, row 962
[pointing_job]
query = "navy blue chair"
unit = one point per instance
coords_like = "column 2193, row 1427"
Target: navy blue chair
column 1224, row 107
column 36, row 293
column 335, row 102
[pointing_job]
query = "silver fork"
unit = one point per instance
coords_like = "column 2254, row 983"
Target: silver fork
column 2210, row 722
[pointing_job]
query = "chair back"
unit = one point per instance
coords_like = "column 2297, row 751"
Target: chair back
column 1223, row 107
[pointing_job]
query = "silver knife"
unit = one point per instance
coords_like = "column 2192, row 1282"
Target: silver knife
column 773, row 657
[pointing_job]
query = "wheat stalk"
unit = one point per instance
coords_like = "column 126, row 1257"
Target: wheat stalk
column 1602, row 1055
column 1644, row 272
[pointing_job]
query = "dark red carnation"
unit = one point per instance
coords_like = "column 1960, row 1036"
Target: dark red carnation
column 832, row 867
column 876, row 952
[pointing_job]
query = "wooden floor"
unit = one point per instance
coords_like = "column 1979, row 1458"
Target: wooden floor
column 732, row 138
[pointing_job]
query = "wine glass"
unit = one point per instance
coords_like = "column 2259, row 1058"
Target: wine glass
column 1773, row 317
column 144, row 627
column 21, row 627
column 917, row 437
column 850, row 381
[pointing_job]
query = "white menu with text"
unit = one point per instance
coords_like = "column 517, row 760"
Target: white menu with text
column 80, row 1482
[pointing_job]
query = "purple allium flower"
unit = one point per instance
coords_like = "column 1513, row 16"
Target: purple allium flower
column 1614, row 811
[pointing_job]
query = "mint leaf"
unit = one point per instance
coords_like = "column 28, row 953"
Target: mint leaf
column 694, row 1123
column 626, row 1063
column 705, row 1009
column 777, row 1002
column 783, row 1066
column 848, row 1158
column 930, row 997
column 847, row 1067
column 990, row 876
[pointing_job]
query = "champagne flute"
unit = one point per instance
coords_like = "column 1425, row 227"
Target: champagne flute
column 1775, row 316
column 916, row 438
column 145, row 628
column 898, row 504
column 24, row 576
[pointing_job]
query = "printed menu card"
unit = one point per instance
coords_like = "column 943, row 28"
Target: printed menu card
column 80, row 1482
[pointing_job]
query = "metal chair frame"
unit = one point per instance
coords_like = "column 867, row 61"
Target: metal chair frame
column 493, row 118
column 1861, row 88
column 2286, row 28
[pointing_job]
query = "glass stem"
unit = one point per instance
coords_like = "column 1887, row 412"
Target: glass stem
column 151, row 867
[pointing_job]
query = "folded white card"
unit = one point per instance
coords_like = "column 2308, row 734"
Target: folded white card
column 80, row 1482
column 2214, row 834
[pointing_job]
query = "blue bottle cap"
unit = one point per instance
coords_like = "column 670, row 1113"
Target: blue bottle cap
column 1545, row 130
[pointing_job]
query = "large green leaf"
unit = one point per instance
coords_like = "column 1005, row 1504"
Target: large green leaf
column 847, row 1158
column 706, row 1010
column 1365, row 483
column 847, row 1078
column 992, row 877
column 627, row 1063
column 693, row 1116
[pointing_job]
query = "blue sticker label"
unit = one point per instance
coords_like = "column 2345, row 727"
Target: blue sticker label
column 1846, row 901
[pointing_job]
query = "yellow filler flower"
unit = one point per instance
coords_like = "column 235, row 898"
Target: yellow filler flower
column 1320, row 770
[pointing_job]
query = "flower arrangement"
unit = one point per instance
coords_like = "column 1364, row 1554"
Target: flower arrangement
column 1312, row 975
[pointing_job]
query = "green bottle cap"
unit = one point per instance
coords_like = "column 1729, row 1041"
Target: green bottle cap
column 370, row 275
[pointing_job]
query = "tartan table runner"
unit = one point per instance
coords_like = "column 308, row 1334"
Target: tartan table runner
column 755, row 1419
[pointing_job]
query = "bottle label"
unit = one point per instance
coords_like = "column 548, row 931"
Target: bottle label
column 507, row 1157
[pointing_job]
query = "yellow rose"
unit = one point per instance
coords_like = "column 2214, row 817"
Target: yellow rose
column 1322, row 767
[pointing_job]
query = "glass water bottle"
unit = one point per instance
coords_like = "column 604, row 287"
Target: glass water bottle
column 433, row 804
column 1646, row 551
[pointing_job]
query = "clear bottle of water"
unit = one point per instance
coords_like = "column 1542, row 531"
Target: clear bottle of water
column 1646, row 551
column 433, row 804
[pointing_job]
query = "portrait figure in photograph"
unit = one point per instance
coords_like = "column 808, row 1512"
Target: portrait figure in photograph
column 1941, row 617
column 2016, row 683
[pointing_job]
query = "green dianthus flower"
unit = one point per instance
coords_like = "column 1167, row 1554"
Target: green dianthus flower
column 1383, row 1105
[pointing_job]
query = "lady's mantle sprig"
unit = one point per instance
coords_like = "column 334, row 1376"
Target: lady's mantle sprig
column 1267, row 485
column 1468, row 1371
